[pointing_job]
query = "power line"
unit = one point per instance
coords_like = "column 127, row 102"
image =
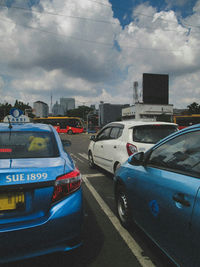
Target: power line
column 96, row 20
column 139, row 13
column 61, row 15
column 111, row 45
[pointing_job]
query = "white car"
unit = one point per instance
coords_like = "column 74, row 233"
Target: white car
column 116, row 141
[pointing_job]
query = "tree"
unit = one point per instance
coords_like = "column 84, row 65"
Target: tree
column 80, row 112
column 4, row 110
column 20, row 105
column 194, row 108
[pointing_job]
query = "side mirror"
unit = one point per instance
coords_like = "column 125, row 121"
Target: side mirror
column 66, row 143
column 93, row 138
column 136, row 159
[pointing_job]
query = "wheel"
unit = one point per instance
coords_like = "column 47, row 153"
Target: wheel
column 70, row 132
column 123, row 209
column 90, row 160
column 117, row 165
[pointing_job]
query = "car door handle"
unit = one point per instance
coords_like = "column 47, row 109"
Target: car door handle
column 180, row 199
column 101, row 146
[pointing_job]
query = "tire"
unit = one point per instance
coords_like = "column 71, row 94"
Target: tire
column 70, row 132
column 122, row 206
column 117, row 166
column 90, row 160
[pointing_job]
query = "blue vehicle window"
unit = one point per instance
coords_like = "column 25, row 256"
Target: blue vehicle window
column 152, row 133
column 181, row 154
column 27, row 145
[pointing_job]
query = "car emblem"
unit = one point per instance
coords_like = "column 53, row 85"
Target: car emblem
column 154, row 208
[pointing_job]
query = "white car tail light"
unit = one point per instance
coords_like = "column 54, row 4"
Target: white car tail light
column 131, row 149
column 66, row 184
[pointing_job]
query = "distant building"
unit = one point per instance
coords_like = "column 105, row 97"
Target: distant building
column 152, row 112
column 178, row 111
column 110, row 112
column 67, row 104
column 155, row 104
column 58, row 110
column 41, row 109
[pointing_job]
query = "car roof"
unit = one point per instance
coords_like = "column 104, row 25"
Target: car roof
column 4, row 127
column 131, row 123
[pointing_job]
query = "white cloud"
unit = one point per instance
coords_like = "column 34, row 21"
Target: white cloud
column 1, row 85
column 59, row 52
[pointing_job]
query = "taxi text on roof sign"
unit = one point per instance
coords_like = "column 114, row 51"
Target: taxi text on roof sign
column 16, row 115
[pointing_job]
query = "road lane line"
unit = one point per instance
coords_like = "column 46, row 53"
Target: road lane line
column 129, row 240
column 76, row 158
column 90, row 175
column 83, row 155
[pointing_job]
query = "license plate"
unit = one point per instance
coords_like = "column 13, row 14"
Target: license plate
column 12, row 201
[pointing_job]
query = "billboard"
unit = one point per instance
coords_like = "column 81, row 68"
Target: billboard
column 155, row 88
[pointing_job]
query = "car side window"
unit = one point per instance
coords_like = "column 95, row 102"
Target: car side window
column 114, row 133
column 104, row 134
column 181, row 154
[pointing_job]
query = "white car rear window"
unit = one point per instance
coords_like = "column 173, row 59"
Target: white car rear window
column 151, row 134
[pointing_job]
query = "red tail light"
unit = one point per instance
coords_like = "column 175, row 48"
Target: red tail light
column 66, row 184
column 131, row 149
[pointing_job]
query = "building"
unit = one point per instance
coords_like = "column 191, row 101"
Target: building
column 153, row 112
column 155, row 104
column 110, row 112
column 58, row 110
column 41, row 109
column 62, row 108
column 67, row 103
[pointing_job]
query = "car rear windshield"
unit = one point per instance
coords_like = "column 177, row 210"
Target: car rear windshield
column 151, row 134
column 27, row 145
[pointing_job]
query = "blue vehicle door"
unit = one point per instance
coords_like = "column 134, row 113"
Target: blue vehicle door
column 163, row 194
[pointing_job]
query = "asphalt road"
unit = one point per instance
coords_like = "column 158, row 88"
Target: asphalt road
column 105, row 242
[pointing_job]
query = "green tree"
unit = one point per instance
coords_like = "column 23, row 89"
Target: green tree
column 4, row 110
column 20, row 105
column 194, row 108
column 80, row 112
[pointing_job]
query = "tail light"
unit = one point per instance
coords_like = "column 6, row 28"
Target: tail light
column 66, row 184
column 131, row 149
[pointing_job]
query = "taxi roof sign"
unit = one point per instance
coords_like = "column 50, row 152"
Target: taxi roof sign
column 16, row 116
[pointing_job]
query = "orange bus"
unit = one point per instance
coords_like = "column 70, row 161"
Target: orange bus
column 69, row 125
column 186, row 120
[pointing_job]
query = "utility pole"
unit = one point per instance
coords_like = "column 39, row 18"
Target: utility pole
column 51, row 103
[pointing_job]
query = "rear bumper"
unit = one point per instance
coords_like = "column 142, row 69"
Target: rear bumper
column 60, row 231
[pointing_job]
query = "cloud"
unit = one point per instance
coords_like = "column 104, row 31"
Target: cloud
column 178, row 3
column 78, row 49
column 1, row 85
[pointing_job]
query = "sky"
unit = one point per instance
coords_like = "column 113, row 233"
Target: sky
column 94, row 50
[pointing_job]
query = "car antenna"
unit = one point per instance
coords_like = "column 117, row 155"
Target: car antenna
column 10, row 125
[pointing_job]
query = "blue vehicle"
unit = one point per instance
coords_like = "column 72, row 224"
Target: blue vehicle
column 160, row 191
column 40, row 193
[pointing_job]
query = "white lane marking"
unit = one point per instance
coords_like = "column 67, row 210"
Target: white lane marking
column 77, row 158
column 83, row 155
column 94, row 175
column 131, row 243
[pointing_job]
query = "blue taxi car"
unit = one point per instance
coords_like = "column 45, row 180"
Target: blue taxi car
column 160, row 191
column 40, row 193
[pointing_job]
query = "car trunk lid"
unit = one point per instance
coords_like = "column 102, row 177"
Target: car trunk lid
column 26, row 187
